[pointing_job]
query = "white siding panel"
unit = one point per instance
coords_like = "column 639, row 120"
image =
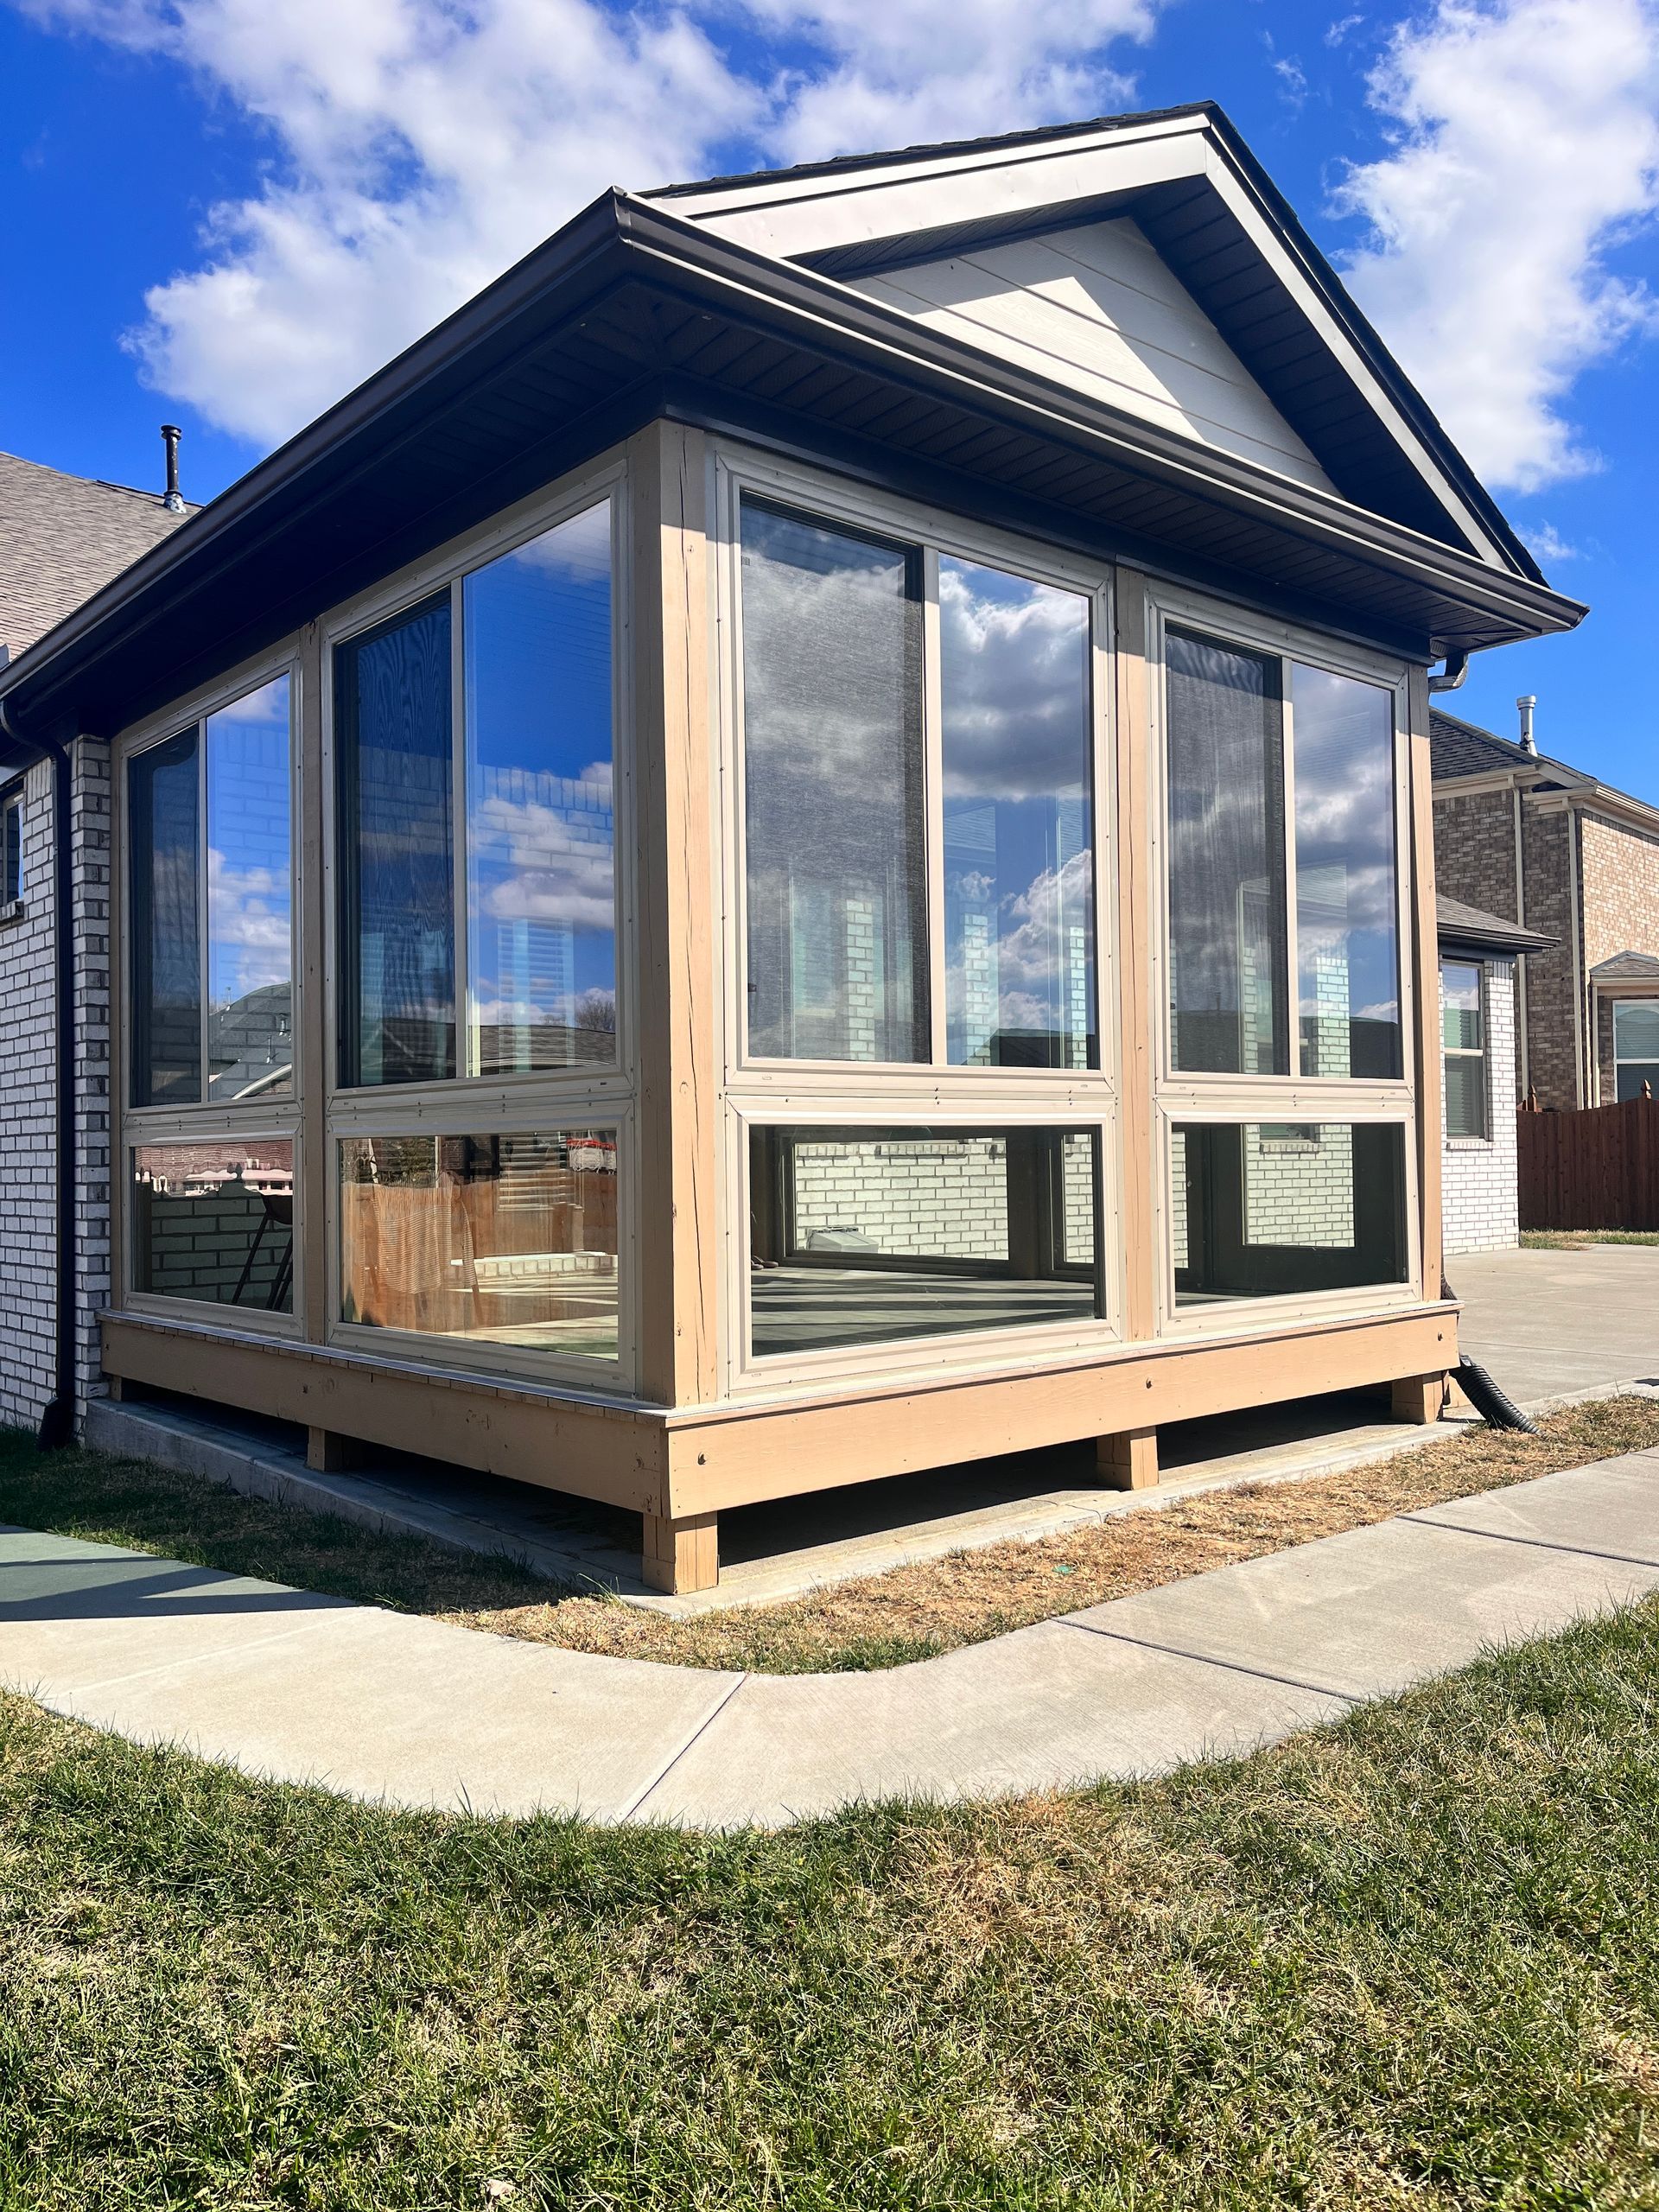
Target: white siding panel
column 1097, row 308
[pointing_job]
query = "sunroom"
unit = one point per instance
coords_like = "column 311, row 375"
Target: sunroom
column 707, row 953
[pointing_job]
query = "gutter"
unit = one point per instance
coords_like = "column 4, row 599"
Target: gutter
column 57, row 1427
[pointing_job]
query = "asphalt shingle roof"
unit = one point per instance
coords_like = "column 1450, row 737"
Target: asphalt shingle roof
column 61, row 538
column 1460, row 748
column 1628, row 968
column 1461, row 924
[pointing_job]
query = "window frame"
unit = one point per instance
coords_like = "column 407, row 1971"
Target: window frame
column 1645, row 1000
column 1462, row 1138
column 13, row 801
column 1195, row 1095
column 253, row 1119
column 590, row 1096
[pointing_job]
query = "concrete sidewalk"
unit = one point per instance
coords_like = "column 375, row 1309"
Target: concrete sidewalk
column 1548, row 1325
column 385, row 1706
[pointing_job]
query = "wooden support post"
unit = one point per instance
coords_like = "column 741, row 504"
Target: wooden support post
column 115, row 1388
column 681, row 1555
column 1419, row 1398
column 1128, row 1460
column 327, row 1452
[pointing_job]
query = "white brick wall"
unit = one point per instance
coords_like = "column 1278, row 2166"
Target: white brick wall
column 1479, row 1205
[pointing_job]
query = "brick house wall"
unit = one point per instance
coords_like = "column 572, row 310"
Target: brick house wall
column 1479, row 1194
column 1474, row 851
column 1553, row 987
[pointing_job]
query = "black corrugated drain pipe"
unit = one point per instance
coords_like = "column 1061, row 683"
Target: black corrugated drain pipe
column 1496, row 1407
column 57, row 1421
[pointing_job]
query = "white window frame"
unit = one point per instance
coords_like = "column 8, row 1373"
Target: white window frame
column 1639, row 999
column 253, row 1119
column 1194, row 1095
column 538, row 1100
column 935, row 1093
column 1460, row 1140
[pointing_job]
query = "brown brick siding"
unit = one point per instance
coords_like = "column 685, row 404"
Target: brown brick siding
column 1552, row 992
column 1474, row 851
column 1621, row 890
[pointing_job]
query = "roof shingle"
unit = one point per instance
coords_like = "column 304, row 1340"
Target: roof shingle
column 61, row 538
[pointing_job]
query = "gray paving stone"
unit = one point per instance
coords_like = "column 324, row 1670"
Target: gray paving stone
column 1610, row 1509
column 1371, row 1612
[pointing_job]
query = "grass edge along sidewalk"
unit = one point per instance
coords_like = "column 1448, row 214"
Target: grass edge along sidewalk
column 1409, row 1960
column 911, row 1612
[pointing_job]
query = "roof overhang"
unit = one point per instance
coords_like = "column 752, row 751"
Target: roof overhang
column 630, row 312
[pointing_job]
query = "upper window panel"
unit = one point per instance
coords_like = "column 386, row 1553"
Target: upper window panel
column 397, row 925
column 210, row 875
column 1019, row 834
column 1228, row 994
column 1347, row 912
column 541, row 843
column 833, row 781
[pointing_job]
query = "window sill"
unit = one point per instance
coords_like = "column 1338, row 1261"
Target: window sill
column 14, row 910
column 1471, row 1144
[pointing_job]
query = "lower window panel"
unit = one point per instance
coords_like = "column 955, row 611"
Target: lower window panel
column 860, row 1236
column 502, row 1240
column 1274, row 1209
column 214, row 1220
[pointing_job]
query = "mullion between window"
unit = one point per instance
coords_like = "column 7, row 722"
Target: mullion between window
column 933, row 806
column 1292, row 942
column 463, row 1054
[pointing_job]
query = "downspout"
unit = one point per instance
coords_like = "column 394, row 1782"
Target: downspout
column 1520, row 958
column 1451, row 677
column 1578, row 954
column 58, row 1422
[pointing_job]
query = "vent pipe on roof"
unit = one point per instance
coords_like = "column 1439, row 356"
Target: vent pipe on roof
column 1526, row 705
column 173, row 500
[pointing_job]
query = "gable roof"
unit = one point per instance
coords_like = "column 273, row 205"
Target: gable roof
column 60, row 538
column 1461, row 748
column 1627, row 968
column 1193, row 188
column 1468, row 928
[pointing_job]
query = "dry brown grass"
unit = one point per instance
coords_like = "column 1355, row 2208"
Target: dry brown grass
column 937, row 1605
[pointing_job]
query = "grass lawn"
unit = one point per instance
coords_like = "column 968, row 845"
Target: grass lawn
column 909, row 1613
column 1574, row 1240
column 1411, row 1962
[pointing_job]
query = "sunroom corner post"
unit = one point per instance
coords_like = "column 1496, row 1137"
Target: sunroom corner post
column 1128, row 1460
column 676, row 974
column 315, row 1000
column 1425, row 980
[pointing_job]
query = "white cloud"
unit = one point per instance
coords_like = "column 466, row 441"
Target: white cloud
column 1527, row 148
column 1546, row 543
column 421, row 147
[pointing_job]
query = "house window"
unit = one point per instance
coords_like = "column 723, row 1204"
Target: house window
column 11, row 848
column 212, row 1221
column 506, row 1240
column 899, row 703
column 1280, row 783
column 1636, row 1046
column 1463, row 1037
column 864, row 1236
column 1256, row 1219
column 474, row 759
column 210, row 869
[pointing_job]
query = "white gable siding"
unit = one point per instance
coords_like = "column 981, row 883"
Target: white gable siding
column 1097, row 309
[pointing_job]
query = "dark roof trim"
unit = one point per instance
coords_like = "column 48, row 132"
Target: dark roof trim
column 1466, row 929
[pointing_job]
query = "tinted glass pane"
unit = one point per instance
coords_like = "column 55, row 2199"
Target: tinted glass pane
column 396, row 935
column 1347, row 949
column 164, row 797
column 832, row 784
column 504, row 1240
column 11, row 852
column 860, row 1236
column 540, row 835
column 1262, row 1211
column 1465, row 1094
column 1229, row 984
column 1460, row 1024
column 250, row 902
column 1633, row 1074
column 215, row 1221
column 1019, row 857
column 1636, row 1029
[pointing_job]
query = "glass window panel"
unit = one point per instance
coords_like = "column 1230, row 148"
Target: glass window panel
column 213, row 1221
column 250, row 902
column 395, row 837
column 1255, row 1217
column 1465, row 1094
column 837, row 923
column 163, row 814
column 1636, row 1029
column 1347, row 938
column 11, row 851
column 501, row 1240
column 860, row 1236
column 1633, row 1074
column 1019, row 839
column 1460, row 1015
column 1229, row 986
column 540, row 832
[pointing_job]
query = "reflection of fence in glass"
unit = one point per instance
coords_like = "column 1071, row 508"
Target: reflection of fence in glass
column 508, row 1240
column 213, row 1221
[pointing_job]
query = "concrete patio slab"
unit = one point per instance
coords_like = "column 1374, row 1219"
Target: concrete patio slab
column 1368, row 1612
column 1549, row 1325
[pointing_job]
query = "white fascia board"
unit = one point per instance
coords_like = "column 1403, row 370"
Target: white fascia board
column 1489, row 779
column 788, row 217
column 1264, row 236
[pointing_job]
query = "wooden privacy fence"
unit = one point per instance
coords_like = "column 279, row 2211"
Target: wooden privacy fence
column 1595, row 1169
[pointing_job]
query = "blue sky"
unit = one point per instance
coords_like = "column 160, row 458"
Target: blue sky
column 226, row 213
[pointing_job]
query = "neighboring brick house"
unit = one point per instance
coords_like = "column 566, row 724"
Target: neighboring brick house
column 1522, row 835
column 61, row 537
column 1479, row 955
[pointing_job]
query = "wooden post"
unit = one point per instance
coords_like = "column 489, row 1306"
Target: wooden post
column 1419, row 1398
column 1128, row 1460
column 676, row 977
column 327, row 1452
column 1427, row 978
column 1137, row 1147
column 681, row 1555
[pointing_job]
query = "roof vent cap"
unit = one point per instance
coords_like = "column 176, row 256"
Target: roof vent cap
column 172, row 500
column 1526, row 703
